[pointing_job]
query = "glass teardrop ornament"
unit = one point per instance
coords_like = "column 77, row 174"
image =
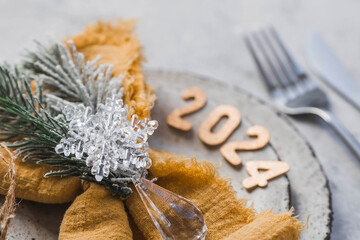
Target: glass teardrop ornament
column 175, row 217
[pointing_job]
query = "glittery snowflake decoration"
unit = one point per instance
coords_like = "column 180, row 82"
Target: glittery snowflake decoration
column 106, row 140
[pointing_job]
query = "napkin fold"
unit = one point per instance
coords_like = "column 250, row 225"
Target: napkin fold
column 31, row 184
column 96, row 214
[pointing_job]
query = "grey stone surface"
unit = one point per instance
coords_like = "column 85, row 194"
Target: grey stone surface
column 205, row 37
column 36, row 221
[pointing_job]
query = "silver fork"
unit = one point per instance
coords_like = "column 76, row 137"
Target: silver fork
column 293, row 90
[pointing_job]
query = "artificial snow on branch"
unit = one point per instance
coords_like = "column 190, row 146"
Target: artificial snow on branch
column 69, row 78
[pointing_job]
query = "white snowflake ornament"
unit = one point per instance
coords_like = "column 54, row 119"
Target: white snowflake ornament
column 110, row 142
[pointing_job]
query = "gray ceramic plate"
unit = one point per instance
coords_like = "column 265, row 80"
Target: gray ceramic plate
column 304, row 186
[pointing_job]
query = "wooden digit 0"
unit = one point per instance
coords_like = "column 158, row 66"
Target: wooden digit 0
column 174, row 118
column 228, row 150
column 272, row 169
column 215, row 138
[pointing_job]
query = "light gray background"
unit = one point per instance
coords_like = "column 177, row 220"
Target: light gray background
column 205, row 37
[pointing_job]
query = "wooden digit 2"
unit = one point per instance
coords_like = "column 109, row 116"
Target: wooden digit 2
column 272, row 169
column 228, row 150
column 174, row 119
column 215, row 138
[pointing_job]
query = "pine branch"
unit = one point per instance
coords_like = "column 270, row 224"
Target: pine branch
column 66, row 74
column 26, row 120
column 23, row 114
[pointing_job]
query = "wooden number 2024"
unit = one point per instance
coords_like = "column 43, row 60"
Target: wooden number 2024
column 228, row 150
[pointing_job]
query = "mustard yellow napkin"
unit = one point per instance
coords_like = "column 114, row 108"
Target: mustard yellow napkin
column 96, row 214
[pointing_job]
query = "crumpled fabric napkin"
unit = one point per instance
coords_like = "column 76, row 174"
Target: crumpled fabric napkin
column 96, row 214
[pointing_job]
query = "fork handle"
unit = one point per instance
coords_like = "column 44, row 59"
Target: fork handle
column 333, row 122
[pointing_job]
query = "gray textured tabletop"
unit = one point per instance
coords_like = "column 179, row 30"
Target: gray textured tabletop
column 206, row 37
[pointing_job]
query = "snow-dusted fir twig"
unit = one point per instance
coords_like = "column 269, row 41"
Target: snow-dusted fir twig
column 88, row 135
column 98, row 146
column 70, row 78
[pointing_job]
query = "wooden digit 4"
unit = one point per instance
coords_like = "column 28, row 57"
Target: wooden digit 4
column 228, row 150
column 272, row 169
column 215, row 138
column 174, row 119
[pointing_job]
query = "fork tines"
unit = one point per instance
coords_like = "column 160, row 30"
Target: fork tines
column 273, row 60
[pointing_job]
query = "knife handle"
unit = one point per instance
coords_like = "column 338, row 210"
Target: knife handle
column 344, row 133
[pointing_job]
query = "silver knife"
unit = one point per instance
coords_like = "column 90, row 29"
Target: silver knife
column 329, row 68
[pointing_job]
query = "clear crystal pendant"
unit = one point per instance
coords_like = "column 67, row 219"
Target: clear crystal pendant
column 175, row 217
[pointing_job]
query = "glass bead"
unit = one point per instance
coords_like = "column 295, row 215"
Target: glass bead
column 59, row 149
